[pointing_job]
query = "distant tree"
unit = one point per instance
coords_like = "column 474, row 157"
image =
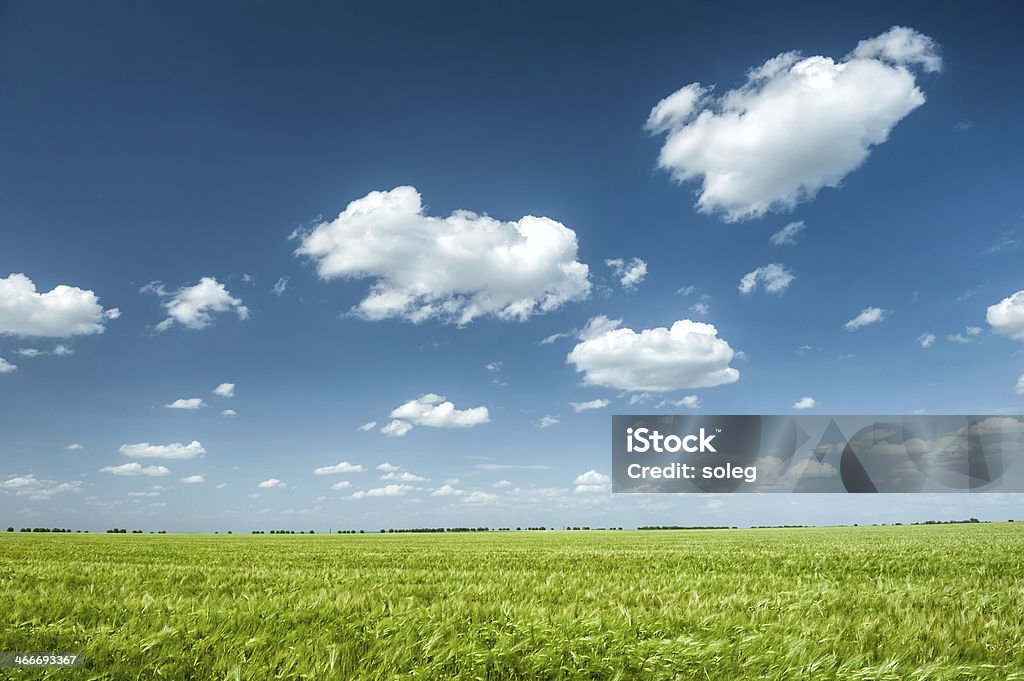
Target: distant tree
column 11, row 529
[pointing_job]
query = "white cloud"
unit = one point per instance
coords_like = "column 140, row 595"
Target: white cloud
column 28, row 352
column 396, row 428
column 342, row 467
column 386, row 491
column 191, row 306
column 797, row 125
column 687, row 401
column 225, row 390
column 433, row 411
column 548, row 421
column 926, row 340
column 135, row 468
column 493, row 366
column 222, row 485
column 63, row 350
column 193, row 479
column 787, row 235
column 387, row 467
column 36, row 489
column 404, row 476
column 774, row 277
column 6, row 367
column 271, row 483
column 869, row 315
column 19, row 482
column 191, row 404
column 64, row 311
column 689, row 355
column 630, row 273
column 175, row 450
column 502, row 484
column 455, row 269
column 280, row 286
column 446, row 491
column 368, row 426
column 593, row 482
column 592, row 404
column 1019, row 388
column 74, row 446
column 700, row 308
column 556, row 336
column 805, row 403
column 341, row 484
column 1007, row 316
column 479, row 498
column 229, row 413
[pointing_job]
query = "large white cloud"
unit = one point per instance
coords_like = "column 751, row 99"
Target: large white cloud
column 455, row 268
column 59, row 313
column 433, row 411
column 189, row 403
column 175, row 450
column 1007, row 316
column 689, row 355
column 192, row 306
column 796, row 125
column 386, row 491
column 342, row 467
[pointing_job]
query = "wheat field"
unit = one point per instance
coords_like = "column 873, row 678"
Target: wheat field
column 931, row 602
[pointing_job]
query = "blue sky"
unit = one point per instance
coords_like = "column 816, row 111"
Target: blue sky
column 191, row 142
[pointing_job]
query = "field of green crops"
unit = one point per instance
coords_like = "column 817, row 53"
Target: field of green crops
column 936, row 602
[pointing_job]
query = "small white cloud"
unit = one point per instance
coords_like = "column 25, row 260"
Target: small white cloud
column 28, row 352
column 404, row 476
column 787, row 235
column 62, row 351
column 556, row 336
column 1019, row 388
column 687, row 402
column 342, row 467
column 396, row 428
column 271, row 483
column 229, row 413
column 341, row 484
column 386, row 491
column 502, row 484
column 280, row 286
column 222, row 485
column 74, row 446
column 387, row 467
column 191, row 404
column 192, row 306
column 368, row 426
column 175, row 450
column 6, row 367
column 926, row 340
column 225, row 390
column 774, row 277
column 586, row 406
column 688, row 355
column 135, row 468
column 454, row 268
column 798, row 124
column 434, row 411
column 805, row 403
column 973, row 330
column 593, row 482
column 631, row 273
column 193, row 479
column 446, row 491
column 869, row 315
column 493, row 366
column 700, row 308
column 1007, row 316
column 547, row 421
column 479, row 498
column 60, row 313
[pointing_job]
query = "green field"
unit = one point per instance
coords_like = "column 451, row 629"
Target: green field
column 935, row 602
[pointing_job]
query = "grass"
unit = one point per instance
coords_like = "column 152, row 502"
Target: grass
column 941, row 602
